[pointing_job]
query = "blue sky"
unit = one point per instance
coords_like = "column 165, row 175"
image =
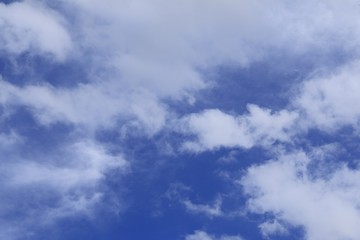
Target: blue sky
column 179, row 120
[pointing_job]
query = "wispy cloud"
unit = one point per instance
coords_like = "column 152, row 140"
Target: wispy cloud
column 201, row 235
column 211, row 210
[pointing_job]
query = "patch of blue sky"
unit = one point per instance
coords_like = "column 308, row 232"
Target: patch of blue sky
column 28, row 69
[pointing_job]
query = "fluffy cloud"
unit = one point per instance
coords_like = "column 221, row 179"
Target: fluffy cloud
column 322, row 201
column 138, row 45
column 330, row 101
column 214, row 129
column 114, row 39
column 29, row 26
column 327, row 101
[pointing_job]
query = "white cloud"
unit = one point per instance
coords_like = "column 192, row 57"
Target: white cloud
column 92, row 106
column 220, row 30
column 214, row 129
column 324, row 203
column 229, row 157
column 67, row 183
column 213, row 210
column 85, row 165
column 160, row 47
column 29, row 26
column 269, row 228
column 331, row 100
column 201, row 235
column 136, row 48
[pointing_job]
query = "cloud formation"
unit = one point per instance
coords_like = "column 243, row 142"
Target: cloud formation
column 213, row 210
column 329, row 100
column 201, row 235
column 29, row 26
column 214, row 129
column 328, row 206
column 91, row 106
column 140, row 57
column 67, row 183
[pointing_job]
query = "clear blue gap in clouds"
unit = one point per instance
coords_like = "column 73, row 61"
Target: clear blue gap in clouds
column 39, row 140
column 26, row 69
column 9, row 1
column 270, row 83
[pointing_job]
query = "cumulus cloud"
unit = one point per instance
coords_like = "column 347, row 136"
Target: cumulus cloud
column 32, row 27
column 138, row 45
column 214, row 129
column 322, row 201
column 165, row 61
column 329, row 101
